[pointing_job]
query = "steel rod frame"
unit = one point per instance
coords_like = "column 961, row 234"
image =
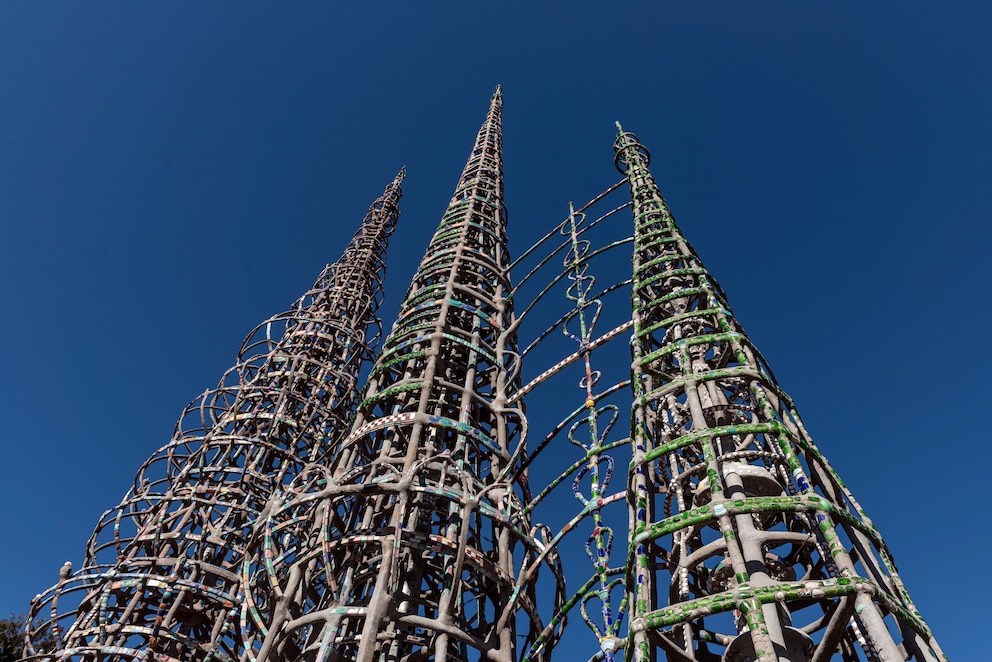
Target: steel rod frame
column 743, row 538
column 285, row 522
column 162, row 574
column 407, row 546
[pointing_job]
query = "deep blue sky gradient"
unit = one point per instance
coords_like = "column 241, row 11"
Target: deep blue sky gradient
column 173, row 173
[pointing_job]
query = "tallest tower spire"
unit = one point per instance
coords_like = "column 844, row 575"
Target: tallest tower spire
column 485, row 164
column 409, row 552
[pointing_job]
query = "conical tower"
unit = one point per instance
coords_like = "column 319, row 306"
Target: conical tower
column 408, row 553
column 745, row 545
column 162, row 575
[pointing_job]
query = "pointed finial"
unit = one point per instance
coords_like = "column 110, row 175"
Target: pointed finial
column 400, row 175
column 619, row 128
column 498, row 94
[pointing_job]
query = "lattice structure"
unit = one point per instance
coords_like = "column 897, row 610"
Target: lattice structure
column 408, row 549
column 276, row 529
column 743, row 539
column 162, row 575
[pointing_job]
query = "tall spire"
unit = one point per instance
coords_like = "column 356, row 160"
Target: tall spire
column 408, row 552
column 743, row 538
column 161, row 578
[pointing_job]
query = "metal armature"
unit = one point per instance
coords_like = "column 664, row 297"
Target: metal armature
column 408, row 545
column 745, row 545
column 162, row 576
column 285, row 522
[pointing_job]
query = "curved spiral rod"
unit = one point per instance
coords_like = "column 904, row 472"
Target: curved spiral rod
column 599, row 467
column 586, row 428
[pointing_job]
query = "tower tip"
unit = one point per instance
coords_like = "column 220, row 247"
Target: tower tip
column 619, row 128
column 400, row 175
column 498, row 94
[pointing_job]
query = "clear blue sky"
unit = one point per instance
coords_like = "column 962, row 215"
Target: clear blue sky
column 173, row 173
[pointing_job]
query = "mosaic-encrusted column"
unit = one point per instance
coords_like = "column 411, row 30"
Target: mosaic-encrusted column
column 403, row 549
column 744, row 541
column 162, row 575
